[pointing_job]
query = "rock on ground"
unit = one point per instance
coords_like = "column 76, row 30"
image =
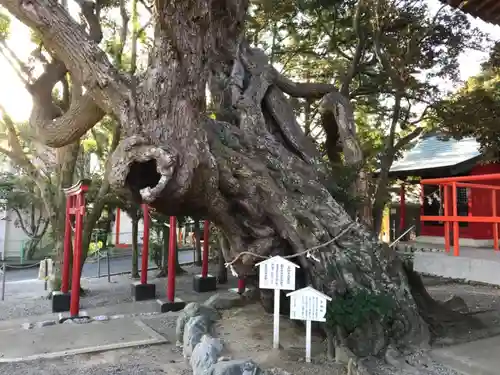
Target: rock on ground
column 190, row 311
column 226, row 302
column 194, row 330
column 205, row 354
column 235, row 367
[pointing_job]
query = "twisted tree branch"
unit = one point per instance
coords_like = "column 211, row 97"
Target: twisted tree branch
column 54, row 126
column 77, row 49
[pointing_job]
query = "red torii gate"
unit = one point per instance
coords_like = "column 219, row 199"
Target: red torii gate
column 75, row 205
column 63, row 301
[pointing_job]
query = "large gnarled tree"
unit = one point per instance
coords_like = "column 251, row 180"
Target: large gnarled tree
column 252, row 171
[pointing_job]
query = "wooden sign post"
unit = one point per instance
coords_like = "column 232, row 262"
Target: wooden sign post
column 310, row 305
column 279, row 274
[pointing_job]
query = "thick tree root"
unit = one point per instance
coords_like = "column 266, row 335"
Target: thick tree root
column 438, row 315
column 354, row 365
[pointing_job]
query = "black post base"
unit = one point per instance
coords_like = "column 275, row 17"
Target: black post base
column 143, row 292
column 204, row 284
column 60, row 301
column 166, row 306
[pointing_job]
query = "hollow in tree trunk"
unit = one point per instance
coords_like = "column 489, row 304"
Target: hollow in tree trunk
column 252, row 172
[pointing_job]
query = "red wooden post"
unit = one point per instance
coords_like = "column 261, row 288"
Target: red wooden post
column 117, row 226
column 456, row 234
column 77, row 254
column 67, row 246
column 206, row 235
column 145, row 245
column 446, row 204
column 402, row 209
column 495, row 225
column 241, row 285
column 172, row 249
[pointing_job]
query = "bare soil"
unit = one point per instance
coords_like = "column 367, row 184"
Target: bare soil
column 248, row 333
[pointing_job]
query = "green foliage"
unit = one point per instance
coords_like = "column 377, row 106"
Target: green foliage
column 20, row 195
column 340, row 185
column 358, row 307
column 4, row 26
column 474, row 110
column 316, row 40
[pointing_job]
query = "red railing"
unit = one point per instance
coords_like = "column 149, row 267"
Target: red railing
column 451, row 183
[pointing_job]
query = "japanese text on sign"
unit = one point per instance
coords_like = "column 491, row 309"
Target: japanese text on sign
column 308, row 307
column 277, row 273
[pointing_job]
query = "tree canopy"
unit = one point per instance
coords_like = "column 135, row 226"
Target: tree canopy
column 474, row 110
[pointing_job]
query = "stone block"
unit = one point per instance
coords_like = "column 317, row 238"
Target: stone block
column 166, row 306
column 204, row 284
column 60, row 301
column 143, row 292
column 46, row 323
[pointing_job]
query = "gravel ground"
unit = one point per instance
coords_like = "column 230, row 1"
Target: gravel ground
column 139, row 361
column 244, row 328
column 23, row 299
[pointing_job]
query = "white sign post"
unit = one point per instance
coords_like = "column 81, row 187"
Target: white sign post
column 279, row 274
column 310, row 305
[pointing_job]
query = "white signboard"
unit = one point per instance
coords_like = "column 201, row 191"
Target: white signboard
column 279, row 274
column 310, row 305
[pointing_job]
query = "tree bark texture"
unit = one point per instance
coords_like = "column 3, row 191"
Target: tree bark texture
column 252, row 171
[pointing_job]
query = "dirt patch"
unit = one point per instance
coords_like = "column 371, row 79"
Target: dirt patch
column 247, row 332
column 483, row 303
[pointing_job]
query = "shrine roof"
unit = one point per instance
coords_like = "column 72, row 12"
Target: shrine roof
column 486, row 10
column 436, row 151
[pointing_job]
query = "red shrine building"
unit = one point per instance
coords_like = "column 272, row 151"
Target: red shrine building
column 458, row 194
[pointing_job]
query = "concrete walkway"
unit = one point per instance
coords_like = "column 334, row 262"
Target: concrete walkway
column 125, row 309
column 473, row 264
column 118, row 322
column 474, row 358
column 69, row 339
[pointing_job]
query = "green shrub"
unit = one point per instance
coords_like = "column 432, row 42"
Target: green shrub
column 357, row 307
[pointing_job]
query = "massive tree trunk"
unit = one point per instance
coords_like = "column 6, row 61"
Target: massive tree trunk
column 255, row 174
